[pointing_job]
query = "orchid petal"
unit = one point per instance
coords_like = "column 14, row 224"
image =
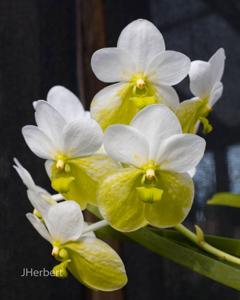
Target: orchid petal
column 65, row 102
column 168, row 68
column 82, row 137
column 126, row 144
column 39, row 226
column 38, row 142
column 181, row 152
column 64, row 221
column 156, row 123
column 143, row 41
column 50, row 122
column 112, row 65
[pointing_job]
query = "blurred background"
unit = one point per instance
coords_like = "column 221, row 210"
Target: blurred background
column 49, row 42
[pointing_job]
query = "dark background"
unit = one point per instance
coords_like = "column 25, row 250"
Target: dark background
column 47, row 42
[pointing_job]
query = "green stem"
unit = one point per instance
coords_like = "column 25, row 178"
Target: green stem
column 207, row 247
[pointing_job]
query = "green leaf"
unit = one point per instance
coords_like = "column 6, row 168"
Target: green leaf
column 172, row 245
column 225, row 199
column 229, row 245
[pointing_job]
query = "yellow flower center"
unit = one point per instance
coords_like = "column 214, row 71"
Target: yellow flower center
column 60, row 161
column 140, row 83
column 150, row 174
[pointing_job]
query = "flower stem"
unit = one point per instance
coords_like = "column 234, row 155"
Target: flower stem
column 95, row 226
column 207, row 247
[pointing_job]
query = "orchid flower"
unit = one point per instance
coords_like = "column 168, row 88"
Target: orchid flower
column 206, row 86
column 153, row 187
column 90, row 260
column 144, row 70
column 63, row 131
column 68, row 139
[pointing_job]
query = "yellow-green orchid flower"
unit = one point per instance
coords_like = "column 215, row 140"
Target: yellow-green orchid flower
column 144, row 70
column 153, row 187
column 91, row 261
column 206, row 86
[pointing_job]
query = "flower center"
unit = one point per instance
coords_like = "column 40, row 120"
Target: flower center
column 140, row 83
column 150, row 175
column 60, row 161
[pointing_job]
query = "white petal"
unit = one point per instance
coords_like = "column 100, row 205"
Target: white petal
column 48, row 167
column 107, row 98
column 192, row 172
column 181, row 152
column 82, row 137
column 65, row 221
column 168, row 68
column 142, row 40
column 167, row 95
column 217, row 62
column 41, row 201
column 50, row 122
column 112, row 64
column 156, row 122
column 38, row 142
column 38, row 225
column 200, row 79
column 126, row 144
column 24, row 175
column 65, row 102
column 216, row 93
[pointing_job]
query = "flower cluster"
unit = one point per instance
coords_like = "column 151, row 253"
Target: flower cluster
column 130, row 157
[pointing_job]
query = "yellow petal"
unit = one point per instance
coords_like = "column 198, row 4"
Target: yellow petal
column 118, row 200
column 176, row 200
column 96, row 264
column 114, row 110
column 189, row 112
column 119, row 103
column 87, row 172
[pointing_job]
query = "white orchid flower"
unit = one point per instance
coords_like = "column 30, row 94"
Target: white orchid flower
column 155, row 187
column 206, row 86
column 90, row 260
column 63, row 130
column 144, row 70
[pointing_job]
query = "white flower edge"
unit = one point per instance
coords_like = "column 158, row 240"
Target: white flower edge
column 154, row 135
